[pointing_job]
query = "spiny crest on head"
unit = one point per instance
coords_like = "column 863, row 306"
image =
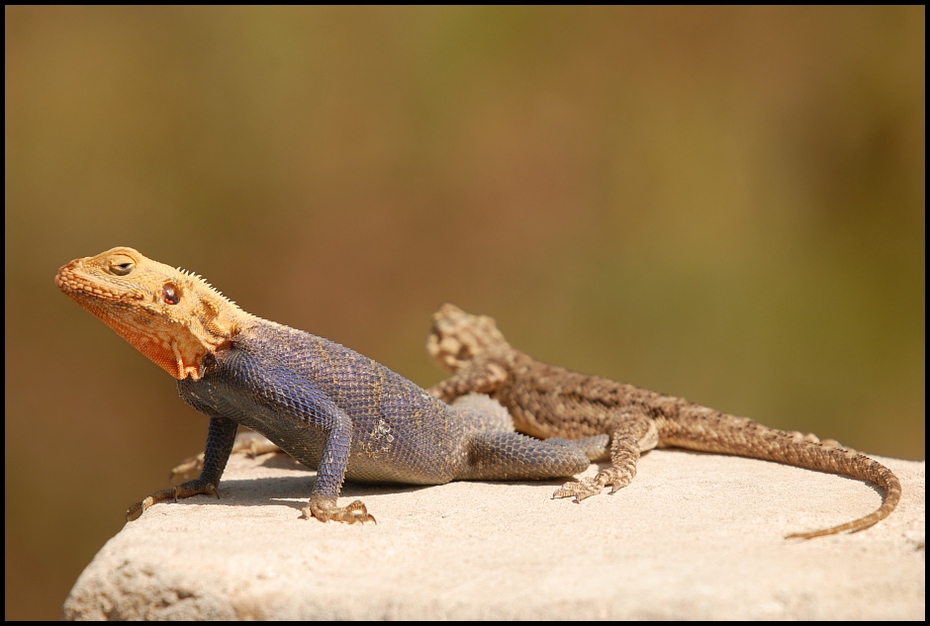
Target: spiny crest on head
column 203, row 282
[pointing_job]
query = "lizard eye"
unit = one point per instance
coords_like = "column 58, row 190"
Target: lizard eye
column 122, row 268
column 170, row 294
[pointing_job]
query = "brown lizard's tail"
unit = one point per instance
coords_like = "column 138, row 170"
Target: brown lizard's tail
column 859, row 466
column 726, row 434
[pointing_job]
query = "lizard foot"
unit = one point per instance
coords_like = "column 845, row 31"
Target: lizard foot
column 325, row 510
column 185, row 490
column 581, row 489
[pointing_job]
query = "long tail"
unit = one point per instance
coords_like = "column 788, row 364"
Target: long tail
column 858, row 465
column 712, row 431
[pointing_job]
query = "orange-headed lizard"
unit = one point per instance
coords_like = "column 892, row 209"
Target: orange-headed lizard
column 327, row 406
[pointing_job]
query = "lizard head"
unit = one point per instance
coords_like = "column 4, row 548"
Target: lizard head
column 173, row 317
column 457, row 337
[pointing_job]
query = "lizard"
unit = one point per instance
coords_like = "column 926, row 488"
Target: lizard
column 327, row 406
column 550, row 401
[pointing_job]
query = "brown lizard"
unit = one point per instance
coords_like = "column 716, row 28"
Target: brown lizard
column 329, row 407
column 549, row 401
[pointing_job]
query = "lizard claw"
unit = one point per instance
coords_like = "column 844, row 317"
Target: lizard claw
column 587, row 487
column 325, row 510
column 579, row 490
column 194, row 487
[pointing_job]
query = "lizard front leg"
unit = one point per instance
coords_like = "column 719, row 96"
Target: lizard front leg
column 635, row 432
column 295, row 400
column 480, row 375
column 220, row 438
column 331, row 471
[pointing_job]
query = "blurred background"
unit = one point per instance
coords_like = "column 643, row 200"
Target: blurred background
column 722, row 204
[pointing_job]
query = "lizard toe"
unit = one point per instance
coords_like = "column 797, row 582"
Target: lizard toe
column 325, row 510
column 194, row 487
column 579, row 490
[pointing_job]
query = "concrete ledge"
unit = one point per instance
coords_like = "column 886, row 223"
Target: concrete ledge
column 695, row 536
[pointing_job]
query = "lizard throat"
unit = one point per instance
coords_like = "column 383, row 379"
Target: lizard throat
column 169, row 345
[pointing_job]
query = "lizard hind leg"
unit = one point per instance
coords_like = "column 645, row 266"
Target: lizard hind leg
column 635, row 432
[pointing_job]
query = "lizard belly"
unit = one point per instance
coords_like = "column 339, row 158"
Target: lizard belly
column 387, row 444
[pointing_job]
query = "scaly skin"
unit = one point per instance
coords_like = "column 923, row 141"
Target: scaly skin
column 549, row 401
column 327, row 406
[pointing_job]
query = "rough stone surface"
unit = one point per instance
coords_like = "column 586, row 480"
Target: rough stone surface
column 695, row 536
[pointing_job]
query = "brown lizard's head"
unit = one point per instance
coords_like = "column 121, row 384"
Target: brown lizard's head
column 171, row 316
column 457, row 337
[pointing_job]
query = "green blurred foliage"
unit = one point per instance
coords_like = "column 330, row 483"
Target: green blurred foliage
column 721, row 203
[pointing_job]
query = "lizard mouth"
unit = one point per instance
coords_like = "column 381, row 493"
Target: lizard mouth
column 71, row 281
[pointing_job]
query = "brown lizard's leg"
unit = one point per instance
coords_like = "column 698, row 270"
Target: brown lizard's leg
column 220, row 438
column 635, row 432
column 478, row 376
